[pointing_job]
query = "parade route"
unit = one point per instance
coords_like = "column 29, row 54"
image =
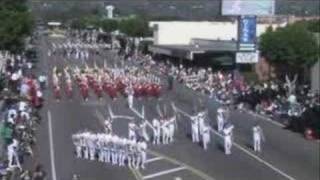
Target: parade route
column 52, row 159
column 285, row 155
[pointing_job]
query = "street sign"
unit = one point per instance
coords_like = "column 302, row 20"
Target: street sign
column 247, row 57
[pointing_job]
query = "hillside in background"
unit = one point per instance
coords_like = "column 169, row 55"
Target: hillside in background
column 159, row 9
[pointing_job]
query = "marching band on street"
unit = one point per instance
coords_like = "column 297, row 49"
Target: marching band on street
column 133, row 81
column 110, row 148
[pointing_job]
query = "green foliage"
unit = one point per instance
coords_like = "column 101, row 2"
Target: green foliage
column 16, row 24
column 135, row 27
column 109, row 25
column 293, row 46
column 314, row 25
column 77, row 24
column 86, row 22
column 91, row 21
column 311, row 25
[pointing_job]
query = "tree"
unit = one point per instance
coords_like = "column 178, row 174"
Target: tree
column 109, row 25
column 77, row 24
column 135, row 27
column 314, row 25
column 16, row 25
column 290, row 49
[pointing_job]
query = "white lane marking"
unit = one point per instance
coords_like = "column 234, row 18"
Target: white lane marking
column 53, row 166
column 136, row 174
column 174, row 161
column 164, row 172
column 153, row 159
column 257, row 158
column 265, row 118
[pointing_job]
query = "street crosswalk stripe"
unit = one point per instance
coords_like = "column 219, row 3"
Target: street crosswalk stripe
column 153, row 159
column 136, row 174
column 163, row 172
column 195, row 171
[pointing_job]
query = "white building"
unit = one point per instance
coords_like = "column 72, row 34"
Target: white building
column 182, row 32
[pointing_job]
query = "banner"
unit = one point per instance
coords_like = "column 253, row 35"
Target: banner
column 247, row 33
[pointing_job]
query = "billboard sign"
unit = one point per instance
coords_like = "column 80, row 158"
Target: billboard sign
column 247, row 33
column 247, row 57
column 248, row 7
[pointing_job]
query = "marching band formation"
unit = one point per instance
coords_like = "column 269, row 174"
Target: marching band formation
column 132, row 81
column 163, row 127
column 110, row 148
column 126, row 81
column 77, row 51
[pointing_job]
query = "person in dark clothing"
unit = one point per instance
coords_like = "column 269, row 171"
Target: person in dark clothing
column 39, row 173
column 170, row 82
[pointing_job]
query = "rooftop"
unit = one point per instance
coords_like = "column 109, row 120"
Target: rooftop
column 197, row 46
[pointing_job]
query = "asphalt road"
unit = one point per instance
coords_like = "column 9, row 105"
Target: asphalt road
column 285, row 156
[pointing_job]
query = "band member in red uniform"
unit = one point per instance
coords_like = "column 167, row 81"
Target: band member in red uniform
column 121, row 87
column 136, row 90
column 98, row 90
column 149, row 90
column 156, row 90
column 113, row 91
column 107, row 87
column 69, row 88
column 90, row 81
column 140, row 90
column 84, row 89
column 57, row 93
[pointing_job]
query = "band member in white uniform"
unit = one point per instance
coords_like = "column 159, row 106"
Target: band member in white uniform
column 107, row 148
column 205, row 136
column 142, row 148
column 131, row 156
column 165, row 132
column 132, row 128
column 143, row 129
column 258, row 136
column 115, row 153
column 201, row 121
column 130, row 94
column 122, row 155
column 100, row 145
column 92, row 146
column 195, row 128
column 86, row 139
column 108, row 126
column 171, row 128
column 76, row 141
column 13, row 155
column 220, row 121
column 156, row 131
column 227, row 131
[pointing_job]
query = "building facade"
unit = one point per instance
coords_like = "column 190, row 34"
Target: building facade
column 182, row 32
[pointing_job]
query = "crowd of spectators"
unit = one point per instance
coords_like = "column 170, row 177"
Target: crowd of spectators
column 21, row 97
column 298, row 107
